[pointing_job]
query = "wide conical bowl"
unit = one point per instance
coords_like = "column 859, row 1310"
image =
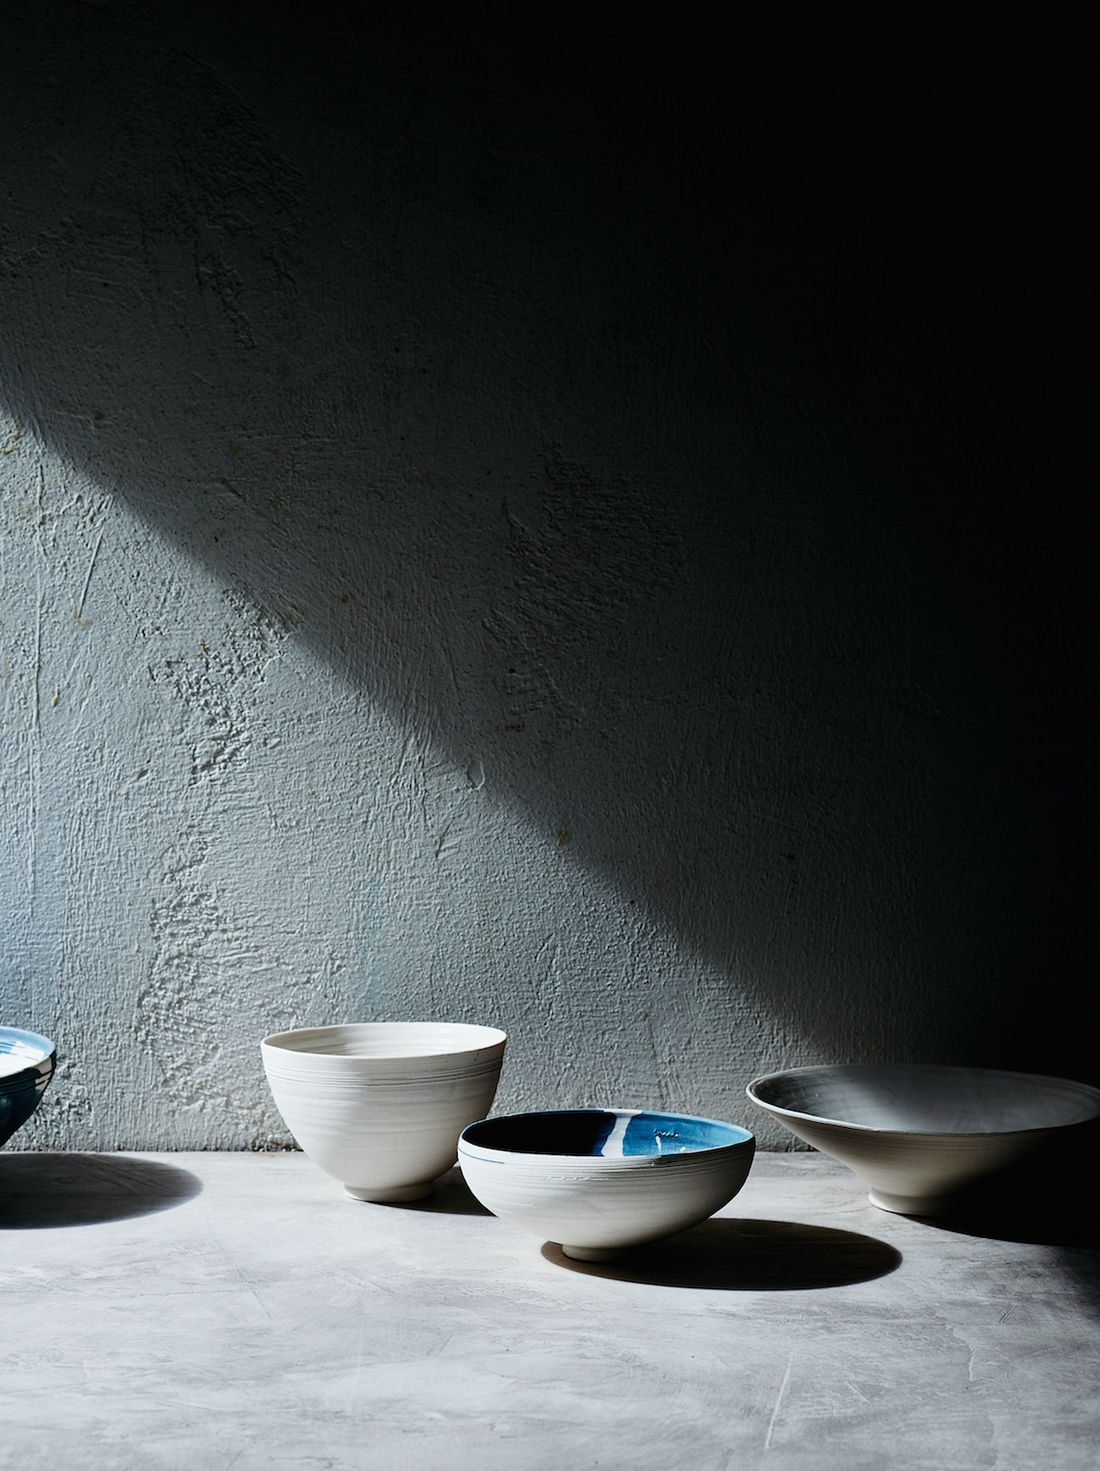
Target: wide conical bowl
column 925, row 1137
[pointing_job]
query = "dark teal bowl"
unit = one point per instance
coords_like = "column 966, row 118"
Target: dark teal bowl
column 27, row 1063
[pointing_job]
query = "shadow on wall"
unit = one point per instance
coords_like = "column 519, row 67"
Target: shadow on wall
column 633, row 429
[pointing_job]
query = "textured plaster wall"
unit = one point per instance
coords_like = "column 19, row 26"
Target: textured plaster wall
column 543, row 540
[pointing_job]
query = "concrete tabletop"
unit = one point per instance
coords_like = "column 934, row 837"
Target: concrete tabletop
column 236, row 1311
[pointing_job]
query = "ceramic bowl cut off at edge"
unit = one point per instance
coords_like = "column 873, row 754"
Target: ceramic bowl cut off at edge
column 380, row 1105
column 924, row 1137
column 597, row 1180
column 27, row 1063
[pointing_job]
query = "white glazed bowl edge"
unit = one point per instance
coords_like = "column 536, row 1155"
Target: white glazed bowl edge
column 595, row 1206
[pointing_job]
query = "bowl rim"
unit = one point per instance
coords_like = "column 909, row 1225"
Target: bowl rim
column 46, row 1046
column 476, row 1037
column 1063, row 1084
column 488, row 1152
column 23, row 1085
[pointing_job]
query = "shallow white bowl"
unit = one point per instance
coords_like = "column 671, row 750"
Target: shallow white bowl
column 380, row 1105
column 597, row 1180
column 921, row 1135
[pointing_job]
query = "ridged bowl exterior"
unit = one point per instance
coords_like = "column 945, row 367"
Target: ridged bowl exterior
column 923, row 1135
column 595, row 1202
column 380, row 1105
column 27, row 1063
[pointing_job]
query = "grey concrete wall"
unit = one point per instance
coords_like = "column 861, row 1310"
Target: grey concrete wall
column 536, row 536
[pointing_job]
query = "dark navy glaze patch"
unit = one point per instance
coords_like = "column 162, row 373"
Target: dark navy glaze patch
column 570, row 1131
column 598, row 1131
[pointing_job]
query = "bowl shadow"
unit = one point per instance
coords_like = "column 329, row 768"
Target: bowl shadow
column 1033, row 1202
column 1070, row 1226
column 746, row 1256
column 451, row 1196
column 1060, row 1223
column 39, row 1190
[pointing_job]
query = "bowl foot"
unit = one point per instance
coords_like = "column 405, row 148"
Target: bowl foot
column 392, row 1194
column 590, row 1253
column 911, row 1205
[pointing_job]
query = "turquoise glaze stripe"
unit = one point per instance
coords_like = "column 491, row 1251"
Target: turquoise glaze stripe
column 661, row 1133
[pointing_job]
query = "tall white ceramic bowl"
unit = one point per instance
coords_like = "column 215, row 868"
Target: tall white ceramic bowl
column 380, row 1105
column 597, row 1180
column 924, row 1136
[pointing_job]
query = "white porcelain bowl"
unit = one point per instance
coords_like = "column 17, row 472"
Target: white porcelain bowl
column 921, row 1135
column 380, row 1105
column 597, row 1180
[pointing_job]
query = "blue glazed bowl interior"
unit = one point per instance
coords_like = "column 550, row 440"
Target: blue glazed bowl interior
column 608, row 1133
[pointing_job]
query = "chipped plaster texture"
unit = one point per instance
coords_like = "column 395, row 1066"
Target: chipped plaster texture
column 466, row 555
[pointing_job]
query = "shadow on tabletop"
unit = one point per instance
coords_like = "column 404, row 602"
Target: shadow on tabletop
column 1070, row 1226
column 1066, row 1223
column 746, row 1256
column 41, row 1190
column 451, row 1196
column 1032, row 1202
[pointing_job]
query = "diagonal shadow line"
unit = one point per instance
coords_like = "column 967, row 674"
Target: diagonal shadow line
column 697, row 841
column 746, row 1256
column 40, row 1191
